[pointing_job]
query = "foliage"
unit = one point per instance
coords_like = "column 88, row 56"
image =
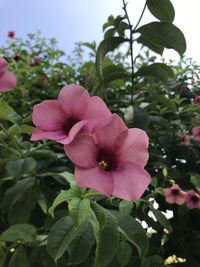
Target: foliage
column 45, row 218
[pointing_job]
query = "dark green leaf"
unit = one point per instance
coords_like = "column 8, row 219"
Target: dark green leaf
column 161, row 9
column 114, row 72
column 24, row 232
column 150, row 44
column 125, row 206
column 124, row 253
column 133, row 232
column 163, row 221
column 8, row 113
column 60, row 237
column 82, row 243
column 107, row 238
column 19, row 258
column 157, row 70
column 106, row 46
column 19, row 167
column 79, row 210
column 164, row 34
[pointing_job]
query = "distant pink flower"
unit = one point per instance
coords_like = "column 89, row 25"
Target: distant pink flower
column 174, row 194
column 196, row 133
column 7, row 78
column 192, row 200
column 62, row 119
column 185, row 139
column 197, row 99
column 112, row 159
column 11, row 34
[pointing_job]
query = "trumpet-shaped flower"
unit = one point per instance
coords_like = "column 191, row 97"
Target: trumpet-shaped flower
column 7, row 78
column 175, row 195
column 62, row 119
column 111, row 160
column 192, row 200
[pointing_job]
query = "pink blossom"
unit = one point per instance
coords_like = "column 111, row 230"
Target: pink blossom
column 7, row 78
column 111, row 160
column 192, row 200
column 174, row 194
column 185, row 139
column 196, row 133
column 197, row 99
column 11, row 34
column 62, row 119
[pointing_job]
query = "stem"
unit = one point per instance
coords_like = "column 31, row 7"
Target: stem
column 92, row 194
column 12, row 140
column 132, row 30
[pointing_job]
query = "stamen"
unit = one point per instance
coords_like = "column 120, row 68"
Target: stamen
column 103, row 164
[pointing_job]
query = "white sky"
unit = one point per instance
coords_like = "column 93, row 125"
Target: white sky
column 70, row 21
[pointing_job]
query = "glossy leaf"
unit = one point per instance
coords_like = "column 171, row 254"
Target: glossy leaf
column 82, row 243
column 163, row 221
column 161, row 9
column 157, row 70
column 107, row 238
column 133, row 232
column 106, row 46
column 60, row 237
column 26, row 233
column 164, row 34
column 19, row 258
column 79, row 210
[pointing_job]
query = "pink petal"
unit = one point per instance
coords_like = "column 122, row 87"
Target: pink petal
column 130, row 181
column 170, row 199
column 167, row 192
column 57, row 135
column 82, row 151
column 132, row 146
column 180, row 199
column 7, row 81
column 48, row 115
column 108, row 129
column 74, row 100
column 3, row 64
column 96, row 109
column 95, row 178
column 74, row 131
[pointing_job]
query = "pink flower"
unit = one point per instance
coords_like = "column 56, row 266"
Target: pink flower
column 62, row 119
column 192, row 200
column 112, row 159
column 197, row 99
column 7, row 78
column 196, row 133
column 185, row 139
column 11, row 34
column 174, row 194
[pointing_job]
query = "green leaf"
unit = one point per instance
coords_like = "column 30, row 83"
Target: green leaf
column 164, row 34
column 195, row 180
column 165, row 102
column 106, row 46
column 161, row 9
column 157, row 70
column 107, row 238
column 150, row 44
column 8, row 113
column 124, row 253
column 125, row 206
column 64, row 196
column 19, row 258
column 60, row 237
column 163, row 221
column 79, row 210
column 26, row 233
column 114, row 72
column 133, row 232
column 19, row 167
column 82, row 243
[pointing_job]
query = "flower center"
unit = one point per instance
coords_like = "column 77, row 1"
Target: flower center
column 176, row 192
column 107, row 160
column 195, row 199
column 70, row 122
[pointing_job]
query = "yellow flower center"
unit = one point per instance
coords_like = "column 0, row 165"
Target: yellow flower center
column 103, row 164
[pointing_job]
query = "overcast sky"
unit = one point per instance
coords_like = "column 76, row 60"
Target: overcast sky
column 70, row 21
